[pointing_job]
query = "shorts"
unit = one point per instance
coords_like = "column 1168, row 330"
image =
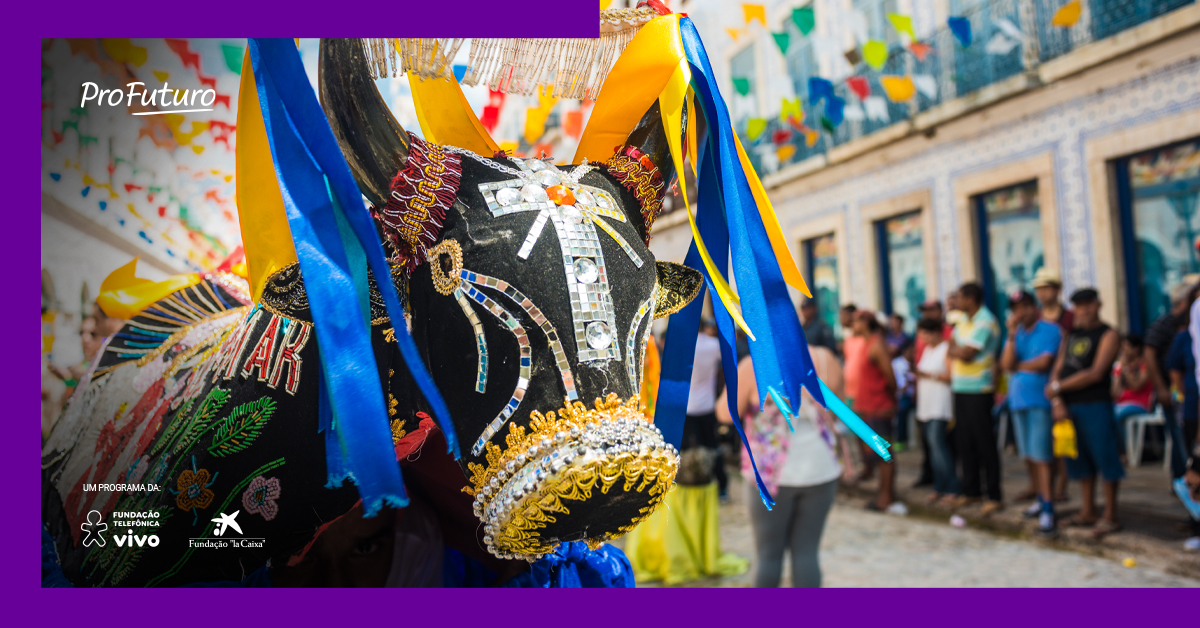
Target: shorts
column 883, row 427
column 1031, row 429
column 1098, row 442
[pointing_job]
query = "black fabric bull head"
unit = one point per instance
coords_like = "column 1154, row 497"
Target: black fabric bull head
column 531, row 315
column 532, row 291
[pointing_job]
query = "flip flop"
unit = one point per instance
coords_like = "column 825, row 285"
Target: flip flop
column 1075, row 521
column 1104, row 527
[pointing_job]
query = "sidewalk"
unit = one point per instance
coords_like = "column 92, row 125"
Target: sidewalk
column 1152, row 516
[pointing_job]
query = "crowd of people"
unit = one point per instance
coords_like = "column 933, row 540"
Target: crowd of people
column 1066, row 380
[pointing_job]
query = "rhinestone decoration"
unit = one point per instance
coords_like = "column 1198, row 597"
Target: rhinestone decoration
column 536, row 165
column 598, row 335
column 548, row 178
column 566, row 462
column 507, row 197
column 534, row 194
column 586, row 271
column 585, row 197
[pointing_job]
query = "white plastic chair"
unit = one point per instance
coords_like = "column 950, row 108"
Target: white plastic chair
column 1135, row 436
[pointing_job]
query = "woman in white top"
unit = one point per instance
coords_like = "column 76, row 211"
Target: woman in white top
column 934, row 409
column 800, row 469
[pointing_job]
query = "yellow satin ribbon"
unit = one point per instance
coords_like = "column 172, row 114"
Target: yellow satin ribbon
column 446, row 117
column 635, row 82
column 124, row 295
column 671, row 108
column 266, row 236
column 787, row 263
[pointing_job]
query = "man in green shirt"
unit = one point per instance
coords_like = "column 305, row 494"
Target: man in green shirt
column 973, row 349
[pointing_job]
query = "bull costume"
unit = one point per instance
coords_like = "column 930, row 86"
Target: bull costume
column 479, row 326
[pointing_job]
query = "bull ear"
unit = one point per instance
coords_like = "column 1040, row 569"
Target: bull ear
column 677, row 286
column 644, row 166
column 374, row 144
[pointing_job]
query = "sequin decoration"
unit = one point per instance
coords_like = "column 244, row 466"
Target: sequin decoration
column 539, row 319
column 634, row 367
column 481, row 368
column 634, row 170
column 526, row 362
column 421, row 193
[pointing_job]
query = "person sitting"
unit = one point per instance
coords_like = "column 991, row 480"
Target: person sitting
column 1133, row 386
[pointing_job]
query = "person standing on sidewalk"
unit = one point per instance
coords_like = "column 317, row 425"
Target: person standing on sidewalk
column 817, row 332
column 1029, row 354
column 799, row 467
column 1080, row 390
column 1048, row 289
column 869, row 366
column 930, row 310
column 972, row 380
column 935, row 410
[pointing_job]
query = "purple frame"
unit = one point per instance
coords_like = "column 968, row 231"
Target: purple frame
column 28, row 22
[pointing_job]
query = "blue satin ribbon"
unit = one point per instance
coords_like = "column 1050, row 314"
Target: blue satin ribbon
column 782, row 362
column 283, row 60
column 358, row 432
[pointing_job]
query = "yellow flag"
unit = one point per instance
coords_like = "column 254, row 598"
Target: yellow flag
column 266, row 236
column 535, row 117
column 791, row 107
column 898, row 88
column 1067, row 15
column 755, row 12
column 785, row 152
column 734, row 33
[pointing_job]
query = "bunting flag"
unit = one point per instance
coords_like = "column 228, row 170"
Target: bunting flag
column 819, row 88
column 734, row 33
column 755, row 12
column 854, row 112
column 782, row 40
column 1067, row 15
column 834, row 110
column 876, row 109
column 875, row 53
column 1000, row 44
column 331, row 225
column 755, row 128
column 811, row 136
column 1008, row 28
column 781, row 136
column 926, row 84
column 804, row 19
column 784, row 152
column 535, row 117
column 853, row 57
column 898, row 88
column 902, row 24
column 920, row 50
column 791, row 107
column 961, row 28
column 741, row 85
column 860, row 86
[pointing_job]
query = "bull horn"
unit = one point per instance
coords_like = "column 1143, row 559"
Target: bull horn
column 650, row 137
column 374, row 144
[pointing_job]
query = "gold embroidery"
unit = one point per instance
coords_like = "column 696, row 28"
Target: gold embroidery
column 678, row 285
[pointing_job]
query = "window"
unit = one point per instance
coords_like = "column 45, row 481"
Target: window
column 878, row 26
column 743, row 69
column 901, row 267
column 1158, row 192
column 1010, row 242
column 820, row 254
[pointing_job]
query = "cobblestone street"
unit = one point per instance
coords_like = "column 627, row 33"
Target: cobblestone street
column 865, row 549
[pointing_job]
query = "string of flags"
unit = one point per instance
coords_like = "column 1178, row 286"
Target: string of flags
column 876, row 54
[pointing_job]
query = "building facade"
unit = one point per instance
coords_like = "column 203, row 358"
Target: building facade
column 1072, row 148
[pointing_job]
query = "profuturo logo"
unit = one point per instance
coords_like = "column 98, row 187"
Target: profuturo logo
column 164, row 97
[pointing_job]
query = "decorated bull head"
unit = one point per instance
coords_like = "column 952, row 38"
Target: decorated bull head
column 531, row 291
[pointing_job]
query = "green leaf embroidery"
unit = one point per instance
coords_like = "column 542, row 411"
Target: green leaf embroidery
column 212, row 404
column 237, row 431
column 179, row 419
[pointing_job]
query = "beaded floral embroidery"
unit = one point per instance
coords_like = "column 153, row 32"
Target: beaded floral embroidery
column 260, row 496
column 421, row 193
column 633, row 169
column 191, row 489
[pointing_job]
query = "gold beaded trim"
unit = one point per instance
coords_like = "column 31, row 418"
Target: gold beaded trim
column 443, row 283
column 653, row 470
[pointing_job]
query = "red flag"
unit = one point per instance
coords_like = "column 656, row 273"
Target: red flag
column 860, row 86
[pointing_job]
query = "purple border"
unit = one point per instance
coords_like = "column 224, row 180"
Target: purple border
column 463, row 18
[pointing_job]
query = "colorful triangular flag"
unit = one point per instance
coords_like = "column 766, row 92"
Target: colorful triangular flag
column 804, row 19
column 755, row 12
